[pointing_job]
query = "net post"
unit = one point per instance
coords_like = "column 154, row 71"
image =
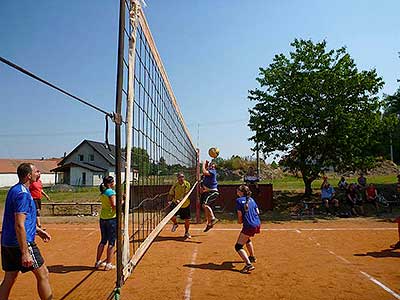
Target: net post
column 198, row 208
column 118, row 152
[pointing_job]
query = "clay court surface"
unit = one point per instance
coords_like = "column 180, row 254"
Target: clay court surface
column 339, row 259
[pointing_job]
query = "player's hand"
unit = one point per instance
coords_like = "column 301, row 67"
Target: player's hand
column 26, row 260
column 44, row 235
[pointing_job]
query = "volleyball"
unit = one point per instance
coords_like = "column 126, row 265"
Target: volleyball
column 213, row 152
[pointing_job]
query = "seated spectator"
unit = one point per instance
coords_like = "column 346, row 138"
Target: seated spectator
column 252, row 178
column 371, row 195
column 354, row 200
column 362, row 181
column 328, row 198
column 324, row 181
column 342, row 184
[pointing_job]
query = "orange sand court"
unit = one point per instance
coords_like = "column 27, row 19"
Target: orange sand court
column 339, row 259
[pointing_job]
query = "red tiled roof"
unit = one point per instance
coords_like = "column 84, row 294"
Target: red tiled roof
column 10, row 165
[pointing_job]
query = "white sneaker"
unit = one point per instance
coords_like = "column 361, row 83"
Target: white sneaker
column 187, row 235
column 174, row 227
column 109, row 267
column 99, row 264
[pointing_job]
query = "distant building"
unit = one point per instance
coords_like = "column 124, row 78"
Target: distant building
column 87, row 164
column 8, row 170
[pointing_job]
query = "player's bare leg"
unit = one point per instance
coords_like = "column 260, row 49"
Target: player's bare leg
column 43, row 284
column 7, row 284
column 242, row 239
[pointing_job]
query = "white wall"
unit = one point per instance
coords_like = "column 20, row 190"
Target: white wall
column 10, row 179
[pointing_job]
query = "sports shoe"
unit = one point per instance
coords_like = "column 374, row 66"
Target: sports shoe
column 99, row 264
column 214, row 221
column 208, row 227
column 252, row 259
column 174, row 227
column 109, row 267
column 395, row 246
column 187, row 235
column 247, row 268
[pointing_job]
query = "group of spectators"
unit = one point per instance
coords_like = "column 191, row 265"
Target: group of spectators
column 355, row 195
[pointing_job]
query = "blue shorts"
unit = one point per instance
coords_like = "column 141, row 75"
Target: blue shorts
column 108, row 229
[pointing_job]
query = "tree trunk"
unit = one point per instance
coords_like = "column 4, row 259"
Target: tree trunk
column 307, row 185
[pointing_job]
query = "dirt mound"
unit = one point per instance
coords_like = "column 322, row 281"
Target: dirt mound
column 385, row 167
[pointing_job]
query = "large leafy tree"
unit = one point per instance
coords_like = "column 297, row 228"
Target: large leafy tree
column 392, row 135
column 318, row 108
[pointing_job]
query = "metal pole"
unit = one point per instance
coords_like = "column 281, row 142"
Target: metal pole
column 258, row 161
column 118, row 152
column 198, row 207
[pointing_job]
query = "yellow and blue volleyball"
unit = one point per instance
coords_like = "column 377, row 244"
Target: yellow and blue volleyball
column 213, row 152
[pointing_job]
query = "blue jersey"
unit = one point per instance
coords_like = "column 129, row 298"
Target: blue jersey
column 211, row 181
column 327, row 193
column 250, row 217
column 19, row 200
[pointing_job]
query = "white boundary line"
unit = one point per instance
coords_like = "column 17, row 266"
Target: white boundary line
column 377, row 282
column 303, row 229
column 374, row 280
column 238, row 229
column 188, row 288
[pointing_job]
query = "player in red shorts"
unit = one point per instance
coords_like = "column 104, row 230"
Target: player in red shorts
column 247, row 212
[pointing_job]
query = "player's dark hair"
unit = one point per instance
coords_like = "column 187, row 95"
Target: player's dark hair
column 106, row 180
column 23, row 170
column 247, row 193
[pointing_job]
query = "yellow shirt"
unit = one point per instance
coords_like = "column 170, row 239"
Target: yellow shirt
column 178, row 191
column 106, row 210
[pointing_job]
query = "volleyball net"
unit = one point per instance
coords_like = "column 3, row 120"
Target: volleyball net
column 156, row 144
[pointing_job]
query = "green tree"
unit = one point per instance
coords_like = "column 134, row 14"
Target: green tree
column 392, row 116
column 316, row 106
column 141, row 161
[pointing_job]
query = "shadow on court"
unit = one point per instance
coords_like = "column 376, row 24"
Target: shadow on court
column 381, row 254
column 176, row 239
column 225, row 266
column 61, row 269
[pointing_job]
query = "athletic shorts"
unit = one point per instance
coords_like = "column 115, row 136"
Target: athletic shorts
column 251, row 231
column 209, row 197
column 183, row 212
column 108, row 229
column 11, row 258
column 38, row 204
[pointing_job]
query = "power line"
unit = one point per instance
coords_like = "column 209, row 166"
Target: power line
column 17, row 135
column 30, row 74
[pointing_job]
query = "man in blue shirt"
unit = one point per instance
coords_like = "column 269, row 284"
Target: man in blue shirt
column 328, row 197
column 18, row 249
column 209, row 193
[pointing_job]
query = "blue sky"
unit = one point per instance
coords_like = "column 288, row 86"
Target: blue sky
column 211, row 50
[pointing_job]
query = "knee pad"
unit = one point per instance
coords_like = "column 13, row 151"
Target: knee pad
column 248, row 241
column 238, row 247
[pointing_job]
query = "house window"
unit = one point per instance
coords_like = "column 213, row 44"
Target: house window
column 80, row 157
column 91, row 157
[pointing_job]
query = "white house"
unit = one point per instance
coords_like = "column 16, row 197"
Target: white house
column 87, row 164
column 8, row 170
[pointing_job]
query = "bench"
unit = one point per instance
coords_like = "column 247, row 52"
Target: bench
column 71, row 204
